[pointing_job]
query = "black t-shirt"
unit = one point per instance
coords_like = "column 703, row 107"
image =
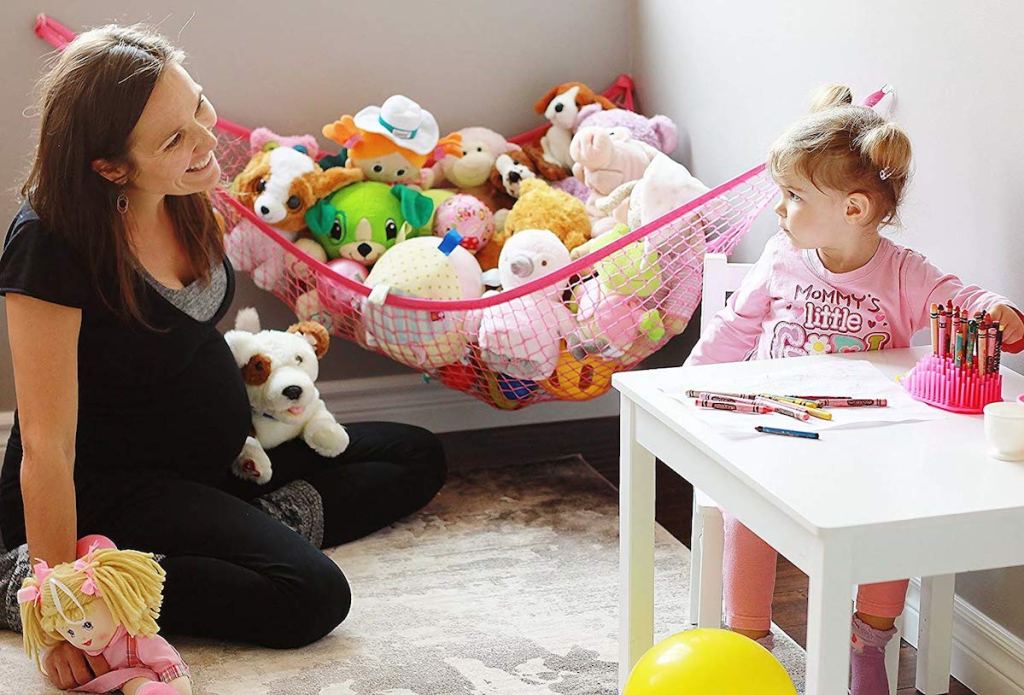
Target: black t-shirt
column 172, row 401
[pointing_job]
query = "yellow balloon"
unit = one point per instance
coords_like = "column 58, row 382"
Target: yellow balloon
column 708, row 662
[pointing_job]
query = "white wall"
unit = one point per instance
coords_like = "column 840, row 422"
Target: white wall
column 295, row 66
column 735, row 74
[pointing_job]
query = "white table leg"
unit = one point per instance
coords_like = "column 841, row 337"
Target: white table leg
column 696, row 553
column 712, row 548
column 828, row 624
column 935, row 634
column 892, row 656
column 636, row 544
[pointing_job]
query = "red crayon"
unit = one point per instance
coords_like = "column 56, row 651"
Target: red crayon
column 950, row 340
column 734, row 407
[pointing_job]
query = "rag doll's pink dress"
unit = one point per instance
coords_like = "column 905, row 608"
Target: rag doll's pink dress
column 130, row 657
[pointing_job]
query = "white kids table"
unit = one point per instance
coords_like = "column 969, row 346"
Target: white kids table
column 917, row 499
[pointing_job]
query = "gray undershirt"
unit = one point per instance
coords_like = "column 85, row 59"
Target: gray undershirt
column 196, row 299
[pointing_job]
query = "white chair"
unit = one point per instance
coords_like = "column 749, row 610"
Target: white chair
column 707, row 541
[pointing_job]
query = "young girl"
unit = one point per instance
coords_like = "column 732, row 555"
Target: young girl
column 828, row 282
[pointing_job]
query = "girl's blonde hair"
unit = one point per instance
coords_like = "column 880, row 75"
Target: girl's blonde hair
column 847, row 148
column 130, row 583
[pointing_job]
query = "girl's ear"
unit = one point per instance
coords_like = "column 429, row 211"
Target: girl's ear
column 859, row 209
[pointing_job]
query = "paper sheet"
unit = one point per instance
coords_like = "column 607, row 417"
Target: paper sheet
column 857, row 379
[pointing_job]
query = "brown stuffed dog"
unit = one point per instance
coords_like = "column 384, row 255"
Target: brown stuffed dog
column 509, row 172
column 281, row 184
column 561, row 105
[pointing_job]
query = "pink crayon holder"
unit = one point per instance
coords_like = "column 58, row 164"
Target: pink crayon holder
column 937, row 381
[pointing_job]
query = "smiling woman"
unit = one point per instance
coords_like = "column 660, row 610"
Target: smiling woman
column 131, row 407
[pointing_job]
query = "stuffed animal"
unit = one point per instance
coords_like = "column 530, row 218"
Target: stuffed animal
column 607, row 158
column 610, row 309
column 540, row 207
column 106, row 604
column 280, row 369
column 362, row 221
column 425, row 268
column 678, row 245
column 658, row 131
column 480, row 147
column 392, row 142
column 578, row 379
column 510, row 170
column 469, row 217
column 264, row 140
column 520, row 337
column 561, row 105
column 282, row 183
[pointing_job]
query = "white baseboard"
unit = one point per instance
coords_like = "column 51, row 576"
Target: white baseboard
column 408, row 398
column 987, row 658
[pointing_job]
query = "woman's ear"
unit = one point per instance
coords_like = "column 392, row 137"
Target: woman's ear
column 859, row 210
column 115, row 173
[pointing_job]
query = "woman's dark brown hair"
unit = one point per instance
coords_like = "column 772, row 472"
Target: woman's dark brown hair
column 92, row 97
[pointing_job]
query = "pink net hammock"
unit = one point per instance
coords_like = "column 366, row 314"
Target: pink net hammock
column 559, row 337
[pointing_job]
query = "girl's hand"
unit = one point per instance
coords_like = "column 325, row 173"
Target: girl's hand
column 1009, row 321
column 69, row 667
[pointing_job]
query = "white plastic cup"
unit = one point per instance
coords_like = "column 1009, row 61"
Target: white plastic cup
column 1004, row 430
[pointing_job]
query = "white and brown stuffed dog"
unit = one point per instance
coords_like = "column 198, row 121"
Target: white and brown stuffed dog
column 561, row 105
column 279, row 369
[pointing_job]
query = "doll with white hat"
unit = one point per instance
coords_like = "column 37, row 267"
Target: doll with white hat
column 391, row 143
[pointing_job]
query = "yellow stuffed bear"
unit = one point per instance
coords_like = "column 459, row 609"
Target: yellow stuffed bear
column 540, row 207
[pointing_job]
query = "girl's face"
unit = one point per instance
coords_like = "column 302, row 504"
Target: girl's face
column 95, row 633
column 812, row 218
column 172, row 144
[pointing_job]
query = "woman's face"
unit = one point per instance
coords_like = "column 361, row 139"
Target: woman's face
column 172, row 143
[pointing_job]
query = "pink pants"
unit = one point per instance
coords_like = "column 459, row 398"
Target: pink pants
column 749, row 574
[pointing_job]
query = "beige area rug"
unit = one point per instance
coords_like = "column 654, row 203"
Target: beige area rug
column 506, row 584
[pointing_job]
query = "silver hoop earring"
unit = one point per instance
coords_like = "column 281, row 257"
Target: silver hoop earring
column 122, row 202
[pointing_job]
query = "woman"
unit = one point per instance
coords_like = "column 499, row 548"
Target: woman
column 130, row 406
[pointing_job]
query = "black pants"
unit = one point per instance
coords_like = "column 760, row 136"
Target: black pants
column 235, row 573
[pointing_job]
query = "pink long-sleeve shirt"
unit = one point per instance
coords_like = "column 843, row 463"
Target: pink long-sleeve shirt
column 789, row 305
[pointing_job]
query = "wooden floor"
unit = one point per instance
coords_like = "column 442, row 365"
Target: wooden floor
column 597, row 441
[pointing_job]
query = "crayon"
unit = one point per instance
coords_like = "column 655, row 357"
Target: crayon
column 933, row 315
column 696, row 393
column 943, row 332
column 819, row 398
column 709, row 396
column 949, row 332
column 964, row 318
column 983, row 347
column 855, row 403
column 805, row 402
column 992, row 348
column 795, row 412
column 999, row 347
column 972, row 340
column 957, row 340
column 734, row 407
column 787, row 433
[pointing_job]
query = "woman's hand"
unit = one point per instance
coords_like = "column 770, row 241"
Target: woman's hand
column 1009, row 321
column 69, row 667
